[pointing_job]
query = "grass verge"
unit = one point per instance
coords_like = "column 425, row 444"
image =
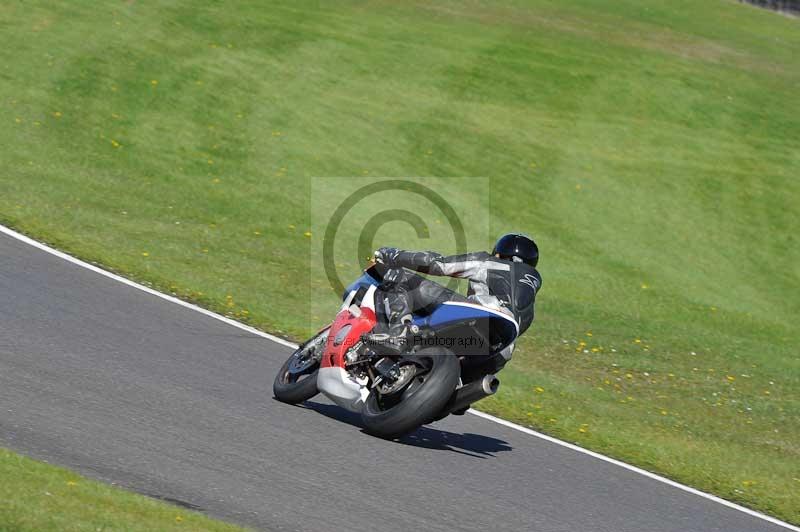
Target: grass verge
column 39, row 497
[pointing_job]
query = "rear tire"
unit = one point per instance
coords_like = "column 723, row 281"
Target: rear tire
column 423, row 403
column 297, row 379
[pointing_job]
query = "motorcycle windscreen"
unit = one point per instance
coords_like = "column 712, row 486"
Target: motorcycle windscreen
column 469, row 329
column 363, row 282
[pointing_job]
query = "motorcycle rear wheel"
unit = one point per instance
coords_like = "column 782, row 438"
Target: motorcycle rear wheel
column 297, row 379
column 422, row 400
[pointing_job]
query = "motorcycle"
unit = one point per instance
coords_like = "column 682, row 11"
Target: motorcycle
column 447, row 364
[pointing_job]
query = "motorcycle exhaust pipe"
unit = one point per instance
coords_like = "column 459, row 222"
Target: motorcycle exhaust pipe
column 474, row 391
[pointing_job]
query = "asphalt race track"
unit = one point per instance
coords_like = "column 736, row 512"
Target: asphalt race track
column 128, row 388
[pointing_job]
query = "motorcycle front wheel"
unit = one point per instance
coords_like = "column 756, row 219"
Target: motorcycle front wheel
column 297, row 379
column 419, row 402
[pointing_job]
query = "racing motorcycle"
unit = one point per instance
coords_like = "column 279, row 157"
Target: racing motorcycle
column 445, row 366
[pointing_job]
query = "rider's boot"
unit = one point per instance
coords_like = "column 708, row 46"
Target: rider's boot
column 392, row 335
column 395, row 341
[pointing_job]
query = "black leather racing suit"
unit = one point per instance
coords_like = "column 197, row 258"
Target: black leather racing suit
column 505, row 285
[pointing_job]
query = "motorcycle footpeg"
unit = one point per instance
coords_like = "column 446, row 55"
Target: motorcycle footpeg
column 386, row 343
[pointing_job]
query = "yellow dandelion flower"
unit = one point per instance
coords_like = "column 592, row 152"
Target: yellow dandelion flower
column 644, row 286
column 71, row 483
column 730, row 378
column 57, row 114
column 145, row 254
column 539, row 389
column 178, row 518
column 115, row 143
column 153, row 82
column 307, row 234
column 637, row 341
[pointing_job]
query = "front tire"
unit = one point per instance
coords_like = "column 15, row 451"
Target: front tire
column 422, row 400
column 297, row 379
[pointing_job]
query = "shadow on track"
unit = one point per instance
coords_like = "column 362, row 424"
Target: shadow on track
column 475, row 445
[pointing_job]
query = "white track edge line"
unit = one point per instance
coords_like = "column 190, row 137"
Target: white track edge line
column 172, row 299
column 69, row 258
column 635, row 469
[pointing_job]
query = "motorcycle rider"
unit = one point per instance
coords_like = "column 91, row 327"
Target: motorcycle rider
column 505, row 280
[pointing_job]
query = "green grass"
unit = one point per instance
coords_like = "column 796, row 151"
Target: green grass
column 653, row 149
column 38, row 497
